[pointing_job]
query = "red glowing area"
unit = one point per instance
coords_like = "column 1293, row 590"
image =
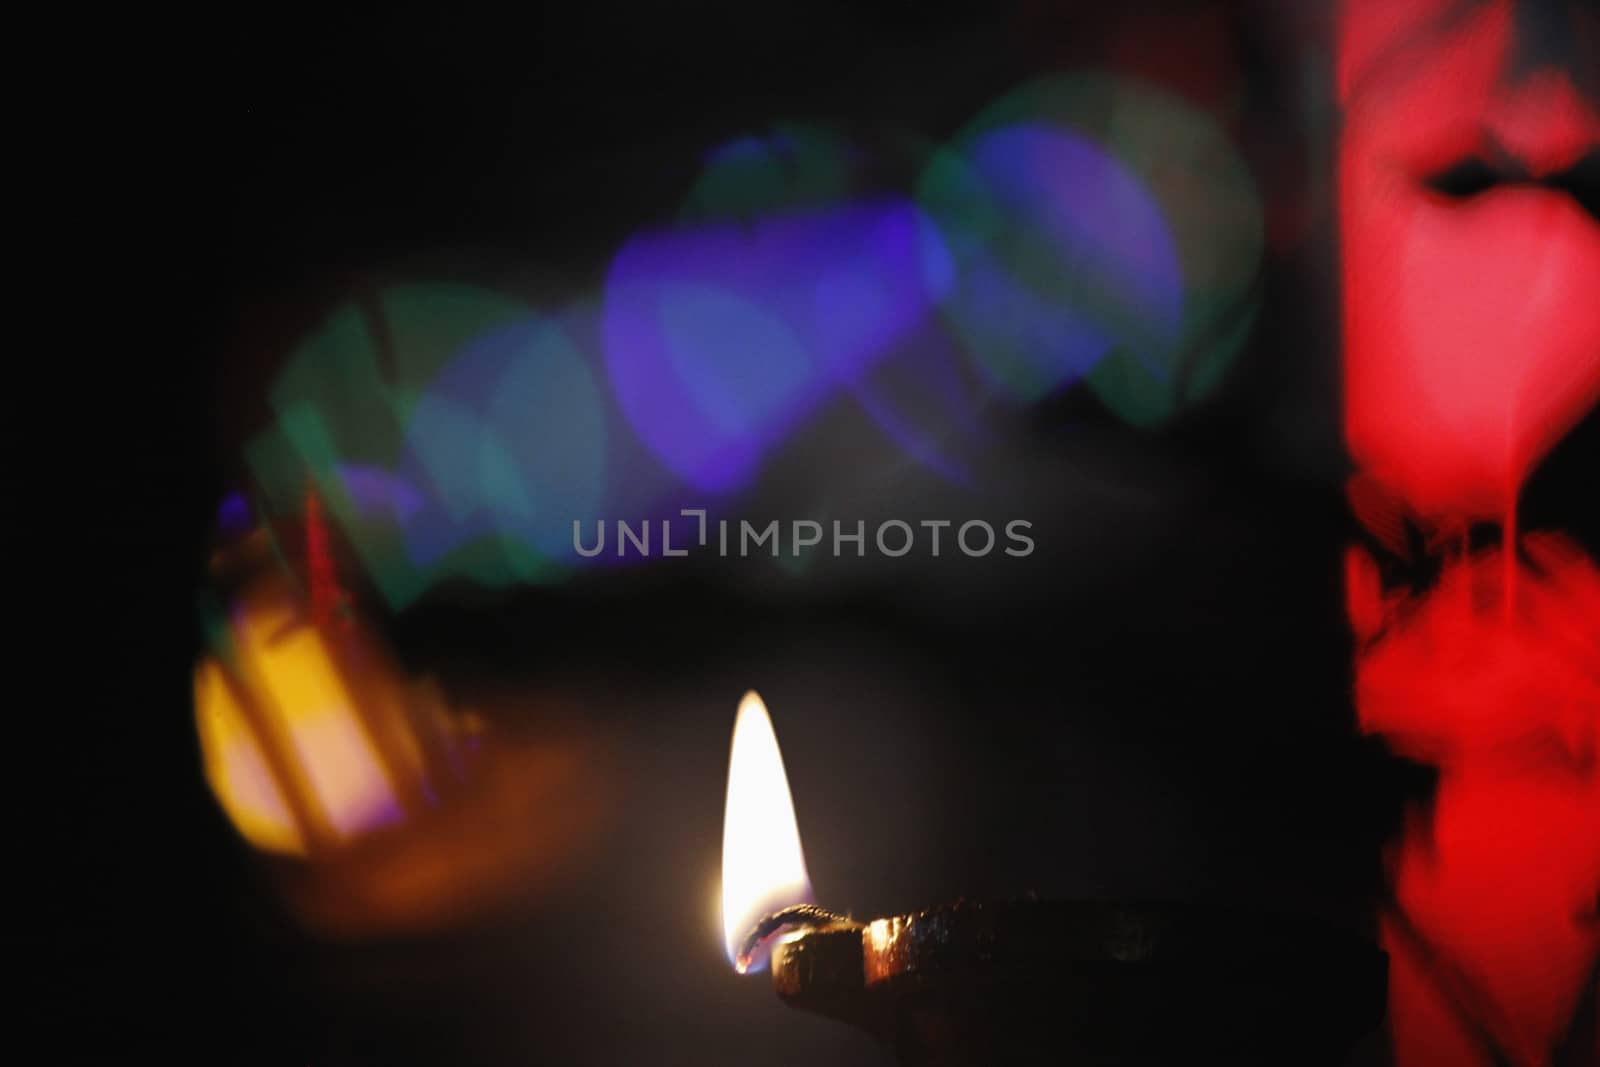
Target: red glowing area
column 1494, row 931
column 1472, row 335
column 322, row 576
column 1472, row 346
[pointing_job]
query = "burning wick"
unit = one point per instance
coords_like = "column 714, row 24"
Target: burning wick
column 763, row 866
column 1031, row 981
column 792, row 921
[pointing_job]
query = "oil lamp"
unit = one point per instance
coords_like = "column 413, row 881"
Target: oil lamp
column 1035, row 981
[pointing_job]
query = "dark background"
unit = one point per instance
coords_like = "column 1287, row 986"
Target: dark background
column 1155, row 704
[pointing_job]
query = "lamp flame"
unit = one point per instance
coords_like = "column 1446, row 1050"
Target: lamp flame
column 763, row 866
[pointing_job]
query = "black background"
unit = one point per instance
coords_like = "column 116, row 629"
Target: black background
column 1155, row 704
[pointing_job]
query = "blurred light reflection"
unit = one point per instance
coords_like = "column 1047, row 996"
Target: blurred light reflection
column 1083, row 229
column 720, row 339
column 1102, row 228
column 457, row 435
column 392, row 809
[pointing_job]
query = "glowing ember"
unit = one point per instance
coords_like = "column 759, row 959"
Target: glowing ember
column 763, row 866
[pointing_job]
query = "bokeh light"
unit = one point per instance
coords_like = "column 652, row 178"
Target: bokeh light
column 792, row 167
column 1104, row 229
column 1085, row 228
column 453, row 433
column 721, row 338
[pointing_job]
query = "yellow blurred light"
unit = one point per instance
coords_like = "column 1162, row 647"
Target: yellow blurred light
column 328, row 737
column 289, row 755
column 237, row 770
column 330, row 743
